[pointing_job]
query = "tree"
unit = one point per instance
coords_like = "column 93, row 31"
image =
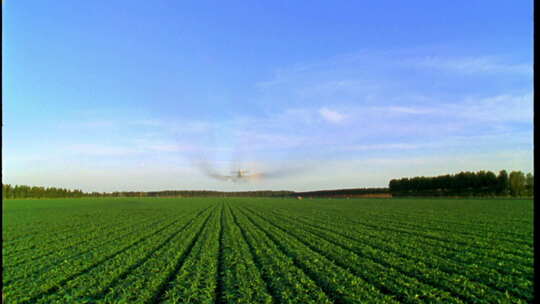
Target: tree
column 517, row 183
column 7, row 191
column 491, row 183
column 503, row 185
column 529, row 184
column 393, row 185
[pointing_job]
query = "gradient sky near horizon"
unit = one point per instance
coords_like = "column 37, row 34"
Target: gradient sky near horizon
column 127, row 95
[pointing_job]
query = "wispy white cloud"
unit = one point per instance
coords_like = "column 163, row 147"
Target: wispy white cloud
column 482, row 64
column 171, row 148
column 148, row 122
column 88, row 124
column 291, row 128
column 500, row 108
column 103, row 123
column 394, row 146
column 260, row 139
column 439, row 118
column 133, row 147
column 336, row 88
column 332, row 115
column 101, row 150
column 408, row 110
column 367, row 72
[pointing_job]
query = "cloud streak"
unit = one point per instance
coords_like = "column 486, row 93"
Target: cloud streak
column 332, row 115
column 472, row 65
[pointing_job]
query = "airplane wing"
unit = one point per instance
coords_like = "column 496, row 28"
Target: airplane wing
column 209, row 171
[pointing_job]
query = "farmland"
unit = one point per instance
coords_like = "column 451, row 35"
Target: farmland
column 262, row 250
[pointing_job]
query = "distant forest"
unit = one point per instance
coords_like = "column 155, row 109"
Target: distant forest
column 22, row 191
column 463, row 184
column 481, row 183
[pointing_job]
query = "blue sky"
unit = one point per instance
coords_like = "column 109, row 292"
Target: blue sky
column 128, row 95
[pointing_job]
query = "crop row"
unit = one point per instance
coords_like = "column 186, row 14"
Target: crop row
column 477, row 216
column 196, row 280
column 242, row 279
column 483, row 247
column 46, row 250
column 146, row 279
column 45, row 257
column 285, row 280
column 337, row 282
column 420, row 227
column 61, row 276
column 518, row 283
column 403, row 288
column 390, row 253
column 101, row 283
column 43, row 229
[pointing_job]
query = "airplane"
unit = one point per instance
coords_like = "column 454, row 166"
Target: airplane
column 242, row 175
column 237, row 176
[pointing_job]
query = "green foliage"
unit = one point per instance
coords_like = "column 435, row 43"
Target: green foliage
column 517, row 183
column 22, row 191
column 268, row 250
column 529, row 184
column 503, row 185
column 481, row 183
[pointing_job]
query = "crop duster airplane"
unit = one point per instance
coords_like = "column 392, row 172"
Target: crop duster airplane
column 235, row 176
column 238, row 175
column 245, row 171
column 241, row 175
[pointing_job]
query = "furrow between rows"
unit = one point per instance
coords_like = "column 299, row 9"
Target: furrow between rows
column 96, row 282
column 399, row 258
column 286, row 282
column 446, row 250
column 337, row 282
column 520, row 257
column 159, row 293
column 78, row 267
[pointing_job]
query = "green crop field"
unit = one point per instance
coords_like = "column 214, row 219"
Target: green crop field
column 256, row 250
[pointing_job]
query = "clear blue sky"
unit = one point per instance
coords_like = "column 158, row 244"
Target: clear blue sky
column 127, row 95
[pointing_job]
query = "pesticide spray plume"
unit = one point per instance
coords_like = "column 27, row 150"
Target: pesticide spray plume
column 246, row 172
column 242, row 168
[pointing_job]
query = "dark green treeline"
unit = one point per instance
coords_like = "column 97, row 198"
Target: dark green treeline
column 22, row 191
column 481, row 183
